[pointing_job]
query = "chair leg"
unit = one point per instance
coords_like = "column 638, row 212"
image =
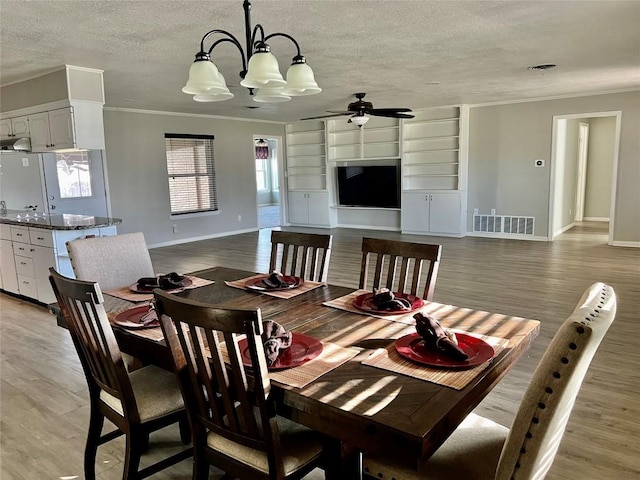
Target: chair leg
column 96, row 421
column 200, row 466
column 135, row 440
column 185, row 430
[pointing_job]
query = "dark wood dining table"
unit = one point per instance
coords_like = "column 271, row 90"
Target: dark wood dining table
column 367, row 409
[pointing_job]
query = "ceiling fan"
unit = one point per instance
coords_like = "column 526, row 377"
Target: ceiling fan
column 361, row 110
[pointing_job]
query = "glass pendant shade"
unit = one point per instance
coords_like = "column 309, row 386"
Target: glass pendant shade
column 300, row 81
column 271, row 95
column 213, row 97
column 360, row 120
column 263, row 71
column 204, row 78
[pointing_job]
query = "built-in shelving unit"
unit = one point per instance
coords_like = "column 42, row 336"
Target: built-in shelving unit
column 306, row 156
column 379, row 139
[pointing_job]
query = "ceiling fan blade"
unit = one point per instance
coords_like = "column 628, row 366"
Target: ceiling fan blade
column 328, row 116
column 375, row 113
column 390, row 110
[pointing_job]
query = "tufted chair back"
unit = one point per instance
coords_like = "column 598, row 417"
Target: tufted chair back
column 543, row 414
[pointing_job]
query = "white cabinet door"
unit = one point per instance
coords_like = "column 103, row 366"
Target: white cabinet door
column 414, row 215
column 298, row 208
column 5, row 128
column 8, row 267
column 39, row 127
column 318, row 203
column 444, row 213
column 20, row 126
column 43, row 259
column 61, row 128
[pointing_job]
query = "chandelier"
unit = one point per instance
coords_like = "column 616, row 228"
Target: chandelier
column 260, row 68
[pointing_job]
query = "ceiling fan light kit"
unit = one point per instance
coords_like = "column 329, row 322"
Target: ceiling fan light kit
column 359, row 120
column 259, row 67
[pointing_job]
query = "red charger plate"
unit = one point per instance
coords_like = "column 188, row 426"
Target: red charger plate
column 131, row 318
column 363, row 302
column 303, row 348
column 256, row 283
column 412, row 347
column 186, row 282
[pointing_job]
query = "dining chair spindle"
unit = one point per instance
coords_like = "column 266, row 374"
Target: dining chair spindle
column 305, row 255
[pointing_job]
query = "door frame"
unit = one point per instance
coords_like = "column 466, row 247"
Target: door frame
column 583, row 155
column 554, row 164
column 280, row 171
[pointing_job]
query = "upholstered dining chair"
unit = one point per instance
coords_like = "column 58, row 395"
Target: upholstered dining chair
column 398, row 266
column 481, row 449
column 113, row 262
column 305, row 255
column 233, row 418
column 137, row 403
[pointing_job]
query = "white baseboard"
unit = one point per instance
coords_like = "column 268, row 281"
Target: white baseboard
column 508, row 236
column 368, row 227
column 626, row 244
column 204, row 237
column 429, row 234
column 564, row 229
column 596, row 219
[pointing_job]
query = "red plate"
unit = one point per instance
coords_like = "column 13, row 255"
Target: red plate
column 303, row 348
column 131, row 318
column 256, row 283
column 184, row 282
column 412, row 347
column 364, row 303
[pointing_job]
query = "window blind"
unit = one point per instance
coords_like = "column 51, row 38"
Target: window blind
column 191, row 171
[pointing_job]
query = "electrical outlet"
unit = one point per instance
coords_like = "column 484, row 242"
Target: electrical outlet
column 174, row 228
column 239, row 218
column 475, row 211
column 25, row 161
column 571, row 211
column 493, row 211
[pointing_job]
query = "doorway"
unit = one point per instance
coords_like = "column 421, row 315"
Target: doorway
column 267, row 156
column 584, row 170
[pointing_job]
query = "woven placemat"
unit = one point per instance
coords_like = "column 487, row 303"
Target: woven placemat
column 126, row 294
column 285, row 294
column 389, row 359
column 331, row 357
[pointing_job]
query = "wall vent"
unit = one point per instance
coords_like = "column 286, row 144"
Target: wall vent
column 506, row 224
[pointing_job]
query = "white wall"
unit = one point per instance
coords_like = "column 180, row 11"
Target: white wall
column 569, row 186
column 136, row 164
column 599, row 167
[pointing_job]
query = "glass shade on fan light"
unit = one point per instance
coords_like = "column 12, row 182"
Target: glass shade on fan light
column 300, row 80
column 263, row 71
column 204, row 78
column 360, row 120
column 271, row 95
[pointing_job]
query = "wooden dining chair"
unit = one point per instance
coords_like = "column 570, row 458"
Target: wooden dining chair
column 398, row 266
column 136, row 403
column 482, row 449
column 113, row 262
column 305, row 255
column 233, row 418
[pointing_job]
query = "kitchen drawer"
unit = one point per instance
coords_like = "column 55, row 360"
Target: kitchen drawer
column 27, row 286
column 5, row 231
column 23, row 249
column 24, row 266
column 20, row 234
column 42, row 237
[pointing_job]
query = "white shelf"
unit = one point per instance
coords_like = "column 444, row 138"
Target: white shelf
column 306, row 156
column 420, row 139
column 409, row 123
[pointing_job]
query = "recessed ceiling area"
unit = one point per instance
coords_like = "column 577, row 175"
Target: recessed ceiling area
column 412, row 53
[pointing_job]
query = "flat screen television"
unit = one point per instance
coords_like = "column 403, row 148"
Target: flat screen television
column 369, row 186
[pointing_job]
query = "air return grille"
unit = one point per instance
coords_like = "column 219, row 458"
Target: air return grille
column 504, row 224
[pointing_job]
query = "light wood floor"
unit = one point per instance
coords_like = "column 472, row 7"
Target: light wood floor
column 44, row 400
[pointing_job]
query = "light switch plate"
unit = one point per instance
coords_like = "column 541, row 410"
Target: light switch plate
column 25, row 161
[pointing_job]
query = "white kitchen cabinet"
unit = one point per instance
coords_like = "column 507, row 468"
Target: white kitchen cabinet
column 15, row 127
column 433, row 213
column 309, row 208
column 80, row 126
column 8, row 267
column 43, row 259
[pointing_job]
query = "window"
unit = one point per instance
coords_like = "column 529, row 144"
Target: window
column 191, row 171
column 262, row 174
column 74, row 175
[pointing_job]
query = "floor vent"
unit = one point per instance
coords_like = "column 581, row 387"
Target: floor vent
column 505, row 224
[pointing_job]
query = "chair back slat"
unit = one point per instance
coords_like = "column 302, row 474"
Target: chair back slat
column 542, row 417
column 305, row 255
column 391, row 256
column 82, row 306
column 219, row 394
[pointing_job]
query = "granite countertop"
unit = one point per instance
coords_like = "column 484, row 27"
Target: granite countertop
column 58, row 221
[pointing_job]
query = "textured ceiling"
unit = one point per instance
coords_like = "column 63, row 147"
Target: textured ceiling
column 402, row 53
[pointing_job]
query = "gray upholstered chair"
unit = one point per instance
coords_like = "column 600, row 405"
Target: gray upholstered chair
column 136, row 403
column 113, row 262
column 305, row 255
column 481, row 449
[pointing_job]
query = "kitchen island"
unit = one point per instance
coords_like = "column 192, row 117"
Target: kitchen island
column 31, row 243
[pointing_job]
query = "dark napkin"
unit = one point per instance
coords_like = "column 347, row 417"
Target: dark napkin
column 437, row 337
column 169, row 281
column 384, row 299
column 275, row 280
column 274, row 338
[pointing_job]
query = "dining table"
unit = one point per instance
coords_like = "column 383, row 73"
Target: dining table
column 359, row 391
